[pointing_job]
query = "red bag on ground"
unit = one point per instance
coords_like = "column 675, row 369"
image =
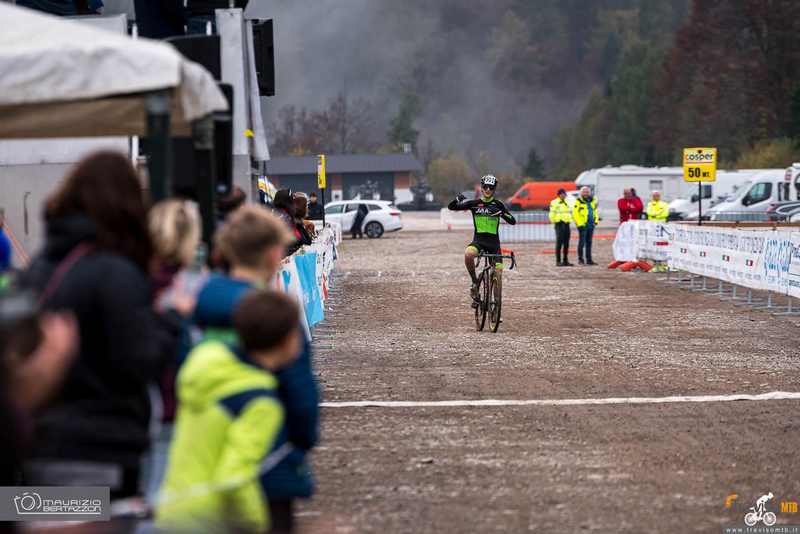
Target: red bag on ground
column 646, row 267
column 615, row 264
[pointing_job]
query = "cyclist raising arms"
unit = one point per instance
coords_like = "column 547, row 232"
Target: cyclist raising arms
column 486, row 213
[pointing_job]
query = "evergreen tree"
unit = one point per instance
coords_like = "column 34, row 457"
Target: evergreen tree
column 534, row 167
column 402, row 125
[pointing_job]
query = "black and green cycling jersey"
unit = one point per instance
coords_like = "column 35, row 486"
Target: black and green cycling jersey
column 486, row 214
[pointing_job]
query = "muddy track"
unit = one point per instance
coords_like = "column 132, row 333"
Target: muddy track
column 401, row 329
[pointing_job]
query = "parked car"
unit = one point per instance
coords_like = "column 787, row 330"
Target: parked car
column 780, row 211
column 382, row 216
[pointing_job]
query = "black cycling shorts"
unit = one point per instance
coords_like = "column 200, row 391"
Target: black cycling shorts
column 485, row 247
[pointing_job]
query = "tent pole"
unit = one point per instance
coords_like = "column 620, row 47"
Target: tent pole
column 203, row 133
column 159, row 145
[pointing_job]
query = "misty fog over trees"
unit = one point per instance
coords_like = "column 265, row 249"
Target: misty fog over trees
column 513, row 86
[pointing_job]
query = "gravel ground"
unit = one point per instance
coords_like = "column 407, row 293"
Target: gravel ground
column 401, row 329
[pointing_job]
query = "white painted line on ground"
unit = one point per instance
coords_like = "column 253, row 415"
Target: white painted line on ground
column 775, row 395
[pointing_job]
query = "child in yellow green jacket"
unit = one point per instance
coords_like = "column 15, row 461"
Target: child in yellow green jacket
column 229, row 421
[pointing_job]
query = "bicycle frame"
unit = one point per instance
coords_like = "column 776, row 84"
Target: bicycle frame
column 489, row 301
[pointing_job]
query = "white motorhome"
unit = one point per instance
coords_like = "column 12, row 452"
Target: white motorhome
column 726, row 185
column 612, row 181
column 753, row 199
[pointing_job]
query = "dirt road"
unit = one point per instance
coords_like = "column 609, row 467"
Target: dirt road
column 402, row 329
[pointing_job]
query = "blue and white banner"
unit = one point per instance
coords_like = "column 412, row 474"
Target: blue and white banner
column 306, row 276
column 312, row 292
column 756, row 258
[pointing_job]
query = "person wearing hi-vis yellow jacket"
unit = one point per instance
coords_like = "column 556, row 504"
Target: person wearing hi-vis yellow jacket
column 585, row 215
column 561, row 216
column 657, row 210
column 230, row 431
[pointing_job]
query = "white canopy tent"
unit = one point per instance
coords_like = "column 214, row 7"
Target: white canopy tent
column 66, row 79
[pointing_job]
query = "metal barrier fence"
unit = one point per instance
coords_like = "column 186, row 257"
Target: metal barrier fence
column 769, row 301
column 754, row 266
column 531, row 225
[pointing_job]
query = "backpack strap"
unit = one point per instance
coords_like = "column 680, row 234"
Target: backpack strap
column 62, row 269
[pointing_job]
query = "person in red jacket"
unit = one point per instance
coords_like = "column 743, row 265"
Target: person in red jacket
column 630, row 206
column 624, row 206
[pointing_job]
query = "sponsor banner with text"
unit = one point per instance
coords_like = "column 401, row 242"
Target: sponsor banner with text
column 759, row 259
column 642, row 240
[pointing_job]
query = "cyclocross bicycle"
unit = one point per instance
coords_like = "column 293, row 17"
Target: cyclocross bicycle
column 490, row 289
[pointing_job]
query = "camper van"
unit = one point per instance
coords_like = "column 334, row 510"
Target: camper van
column 752, row 200
column 726, row 185
column 612, row 181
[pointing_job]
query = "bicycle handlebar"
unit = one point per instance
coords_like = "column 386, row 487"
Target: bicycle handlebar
column 511, row 257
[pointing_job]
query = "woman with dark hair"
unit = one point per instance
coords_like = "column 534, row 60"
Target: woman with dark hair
column 95, row 264
column 305, row 227
column 285, row 209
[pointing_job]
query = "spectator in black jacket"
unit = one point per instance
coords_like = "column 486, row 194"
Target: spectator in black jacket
column 315, row 209
column 95, row 264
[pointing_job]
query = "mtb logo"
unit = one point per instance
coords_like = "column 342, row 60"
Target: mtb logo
column 759, row 513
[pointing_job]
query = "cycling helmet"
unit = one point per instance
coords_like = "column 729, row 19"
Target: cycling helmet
column 489, row 180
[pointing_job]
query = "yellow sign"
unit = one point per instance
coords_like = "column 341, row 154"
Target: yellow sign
column 700, row 164
column 321, row 181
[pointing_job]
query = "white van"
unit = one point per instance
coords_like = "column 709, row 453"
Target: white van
column 793, row 176
column 751, row 202
column 726, row 185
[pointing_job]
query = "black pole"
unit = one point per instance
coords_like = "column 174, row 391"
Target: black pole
column 159, row 145
column 206, row 168
column 700, row 203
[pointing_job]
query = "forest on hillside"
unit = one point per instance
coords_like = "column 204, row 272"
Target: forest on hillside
column 540, row 88
column 730, row 78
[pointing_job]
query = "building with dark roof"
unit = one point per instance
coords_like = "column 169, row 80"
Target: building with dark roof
column 376, row 176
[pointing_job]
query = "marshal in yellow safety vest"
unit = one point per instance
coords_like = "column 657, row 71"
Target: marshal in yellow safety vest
column 560, row 211
column 657, row 210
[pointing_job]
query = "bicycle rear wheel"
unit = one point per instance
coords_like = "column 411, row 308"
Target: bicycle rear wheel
column 495, row 301
column 483, row 298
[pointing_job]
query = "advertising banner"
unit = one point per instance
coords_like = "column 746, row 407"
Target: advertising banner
column 311, row 293
column 642, row 240
column 728, row 254
column 306, row 276
column 761, row 259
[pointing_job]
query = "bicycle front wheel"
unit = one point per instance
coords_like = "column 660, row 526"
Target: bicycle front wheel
column 495, row 301
column 483, row 297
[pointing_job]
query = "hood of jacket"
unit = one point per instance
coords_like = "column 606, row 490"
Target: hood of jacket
column 65, row 233
column 214, row 371
column 217, row 301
